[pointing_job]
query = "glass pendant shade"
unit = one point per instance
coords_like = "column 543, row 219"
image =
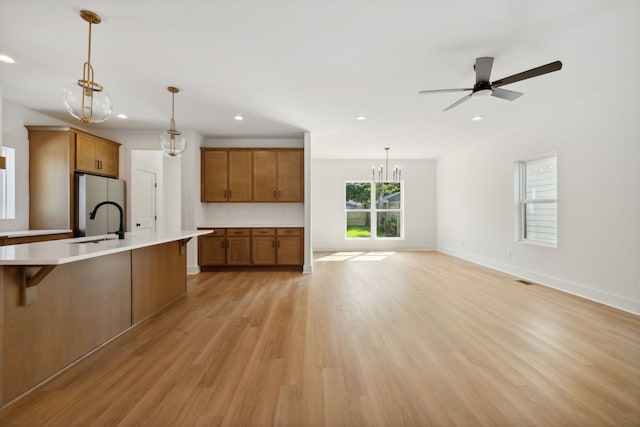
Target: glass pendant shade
column 173, row 145
column 86, row 104
column 172, row 141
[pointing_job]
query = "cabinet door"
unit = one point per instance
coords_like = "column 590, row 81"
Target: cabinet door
column 238, row 250
column 211, row 250
column 264, row 176
column 263, row 250
column 107, row 158
column 213, row 176
column 289, row 250
column 239, row 176
column 86, row 154
column 290, row 176
column 95, row 155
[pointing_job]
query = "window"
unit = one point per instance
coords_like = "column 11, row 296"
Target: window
column 8, row 184
column 538, row 201
column 373, row 214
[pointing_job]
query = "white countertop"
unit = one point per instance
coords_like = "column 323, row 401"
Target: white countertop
column 63, row 251
column 27, row 233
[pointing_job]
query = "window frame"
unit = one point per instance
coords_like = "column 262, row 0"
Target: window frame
column 373, row 211
column 522, row 201
column 8, row 184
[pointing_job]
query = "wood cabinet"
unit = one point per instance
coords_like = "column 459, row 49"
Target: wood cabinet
column 212, row 248
column 263, row 246
column 225, row 175
column 252, row 175
column 289, row 176
column 55, row 154
column 289, row 246
column 277, row 175
column 251, row 247
column 238, row 246
column 96, row 155
column 8, row 241
column 214, row 165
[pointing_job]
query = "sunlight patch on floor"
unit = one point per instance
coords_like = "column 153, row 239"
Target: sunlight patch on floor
column 356, row 256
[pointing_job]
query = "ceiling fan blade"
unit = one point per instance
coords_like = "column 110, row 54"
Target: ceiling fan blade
column 483, row 69
column 422, row 92
column 509, row 95
column 534, row 72
column 460, row 101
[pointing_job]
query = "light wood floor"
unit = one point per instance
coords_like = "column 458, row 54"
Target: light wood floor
column 411, row 339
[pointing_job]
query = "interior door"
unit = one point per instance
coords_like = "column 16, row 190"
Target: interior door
column 144, row 200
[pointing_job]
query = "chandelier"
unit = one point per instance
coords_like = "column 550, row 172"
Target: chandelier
column 381, row 174
column 86, row 100
column 172, row 142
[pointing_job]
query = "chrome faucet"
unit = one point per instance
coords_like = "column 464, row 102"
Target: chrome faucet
column 120, row 231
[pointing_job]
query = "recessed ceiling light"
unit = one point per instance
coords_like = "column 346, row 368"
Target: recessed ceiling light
column 122, row 116
column 238, row 118
column 7, row 59
column 477, row 118
column 361, row 117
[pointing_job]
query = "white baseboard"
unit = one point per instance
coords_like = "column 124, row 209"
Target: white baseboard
column 193, row 269
column 597, row 295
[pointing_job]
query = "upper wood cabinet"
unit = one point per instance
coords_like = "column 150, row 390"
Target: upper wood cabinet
column 277, row 175
column 239, row 175
column 252, row 175
column 214, row 165
column 290, row 176
column 264, row 176
column 225, row 175
column 96, row 155
column 54, row 152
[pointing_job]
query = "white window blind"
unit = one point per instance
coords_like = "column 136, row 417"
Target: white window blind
column 539, row 201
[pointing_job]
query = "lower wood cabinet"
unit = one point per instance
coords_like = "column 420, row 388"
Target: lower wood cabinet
column 238, row 246
column 251, row 247
column 212, row 248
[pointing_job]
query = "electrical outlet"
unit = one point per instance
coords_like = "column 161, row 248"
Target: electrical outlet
column 509, row 253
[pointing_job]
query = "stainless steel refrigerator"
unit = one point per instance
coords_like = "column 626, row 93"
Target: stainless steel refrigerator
column 91, row 190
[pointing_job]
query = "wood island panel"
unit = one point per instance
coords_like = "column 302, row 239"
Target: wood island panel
column 159, row 276
column 79, row 306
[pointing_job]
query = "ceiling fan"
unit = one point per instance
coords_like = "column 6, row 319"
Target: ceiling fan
column 484, row 88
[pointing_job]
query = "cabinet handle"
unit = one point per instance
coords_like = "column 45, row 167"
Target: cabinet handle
column 274, row 194
column 222, row 244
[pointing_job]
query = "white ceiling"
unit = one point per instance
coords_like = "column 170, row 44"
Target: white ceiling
column 293, row 65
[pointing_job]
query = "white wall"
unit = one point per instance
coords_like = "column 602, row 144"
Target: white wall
column 15, row 135
column 597, row 140
column 328, row 204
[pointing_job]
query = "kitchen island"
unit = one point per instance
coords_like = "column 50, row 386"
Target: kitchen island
column 62, row 299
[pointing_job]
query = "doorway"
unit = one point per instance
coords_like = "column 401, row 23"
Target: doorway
column 144, row 199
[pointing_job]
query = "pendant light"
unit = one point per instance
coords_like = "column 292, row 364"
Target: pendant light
column 86, row 100
column 383, row 171
column 172, row 142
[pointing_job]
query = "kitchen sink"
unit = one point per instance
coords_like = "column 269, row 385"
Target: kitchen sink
column 92, row 241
